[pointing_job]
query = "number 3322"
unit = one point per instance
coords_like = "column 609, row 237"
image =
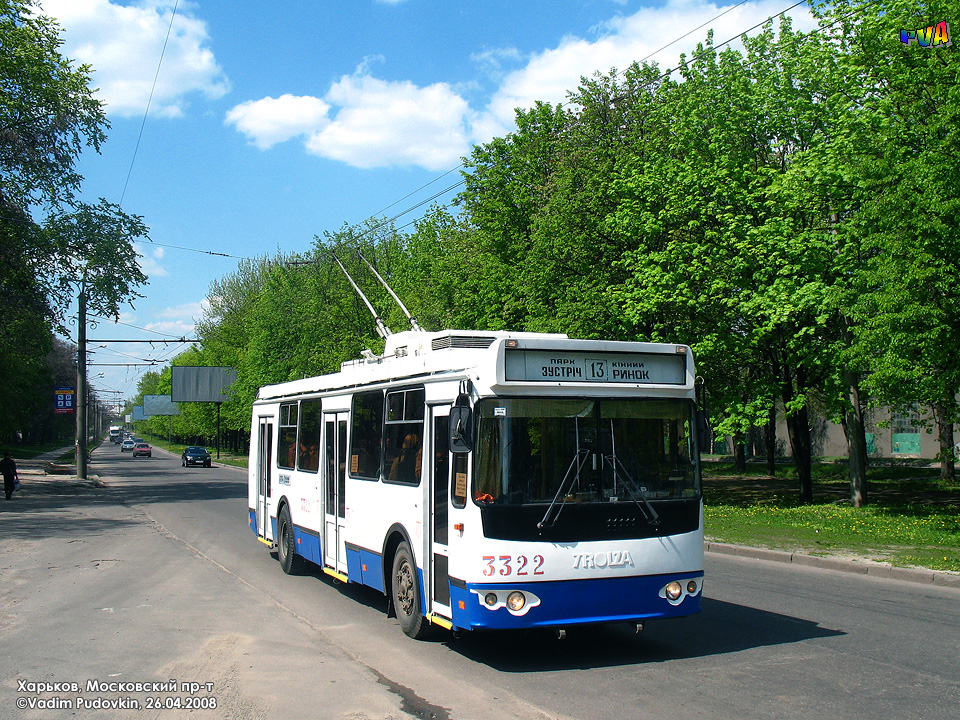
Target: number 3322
column 512, row 565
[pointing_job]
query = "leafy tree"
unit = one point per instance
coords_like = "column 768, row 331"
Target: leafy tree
column 724, row 262
column 898, row 152
column 48, row 112
column 48, row 115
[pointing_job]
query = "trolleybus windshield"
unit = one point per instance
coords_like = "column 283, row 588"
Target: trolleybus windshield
column 584, row 451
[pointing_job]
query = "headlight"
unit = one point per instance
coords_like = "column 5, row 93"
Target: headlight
column 516, row 601
column 490, row 599
column 692, row 587
column 674, row 590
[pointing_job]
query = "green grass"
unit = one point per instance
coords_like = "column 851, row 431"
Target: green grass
column 912, row 518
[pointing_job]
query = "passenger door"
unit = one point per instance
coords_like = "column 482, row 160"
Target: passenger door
column 334, row 483
column 439, row 579
column 264, row 477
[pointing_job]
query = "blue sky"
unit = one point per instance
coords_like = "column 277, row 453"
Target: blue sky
column 273, row 122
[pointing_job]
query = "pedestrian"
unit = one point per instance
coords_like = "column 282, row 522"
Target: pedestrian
column 9, row 469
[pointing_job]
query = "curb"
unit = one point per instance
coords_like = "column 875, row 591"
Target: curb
column 861, row 567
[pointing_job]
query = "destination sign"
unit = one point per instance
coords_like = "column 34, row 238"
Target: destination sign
column 547, row 366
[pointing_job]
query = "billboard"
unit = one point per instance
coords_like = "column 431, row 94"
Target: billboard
column 159, row 405
column 201, row 384
column 138, row 413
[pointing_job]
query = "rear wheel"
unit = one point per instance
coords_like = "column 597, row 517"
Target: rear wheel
column 406, row 594
column 286, row 544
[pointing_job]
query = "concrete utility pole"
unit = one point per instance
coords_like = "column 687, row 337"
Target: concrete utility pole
column 81, row 443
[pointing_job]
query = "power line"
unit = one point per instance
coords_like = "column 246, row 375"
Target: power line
column 146, row 112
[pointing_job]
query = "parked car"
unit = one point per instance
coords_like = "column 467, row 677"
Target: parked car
column 127, row 444
column 141, row 449
column 195, row 455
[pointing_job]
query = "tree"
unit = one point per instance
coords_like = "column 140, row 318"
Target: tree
column 96, row 259
column 48, row 115
column 897, row 149
column 48, row 112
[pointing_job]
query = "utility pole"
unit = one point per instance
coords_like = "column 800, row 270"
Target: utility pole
column 81, row 443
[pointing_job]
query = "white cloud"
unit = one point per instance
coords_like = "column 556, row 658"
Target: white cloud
column 192, row 310
column 123, row 44
column 150, row 256
column 172, row 327
column 549, row 75
column 270, row 121
column 368, row 122
column 393, row 123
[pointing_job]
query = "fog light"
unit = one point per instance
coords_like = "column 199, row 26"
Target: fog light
column 674, row 590
column 490, row 599
column 692, row 587
column 516, row 601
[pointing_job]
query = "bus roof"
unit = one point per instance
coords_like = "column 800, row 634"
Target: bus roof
column 418, row 354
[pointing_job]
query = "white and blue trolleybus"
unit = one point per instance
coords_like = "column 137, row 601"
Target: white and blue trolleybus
column 491, row 480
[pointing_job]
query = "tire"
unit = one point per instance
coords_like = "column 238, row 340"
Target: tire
column 206, row 464
column 405, row 591
column 290, row 562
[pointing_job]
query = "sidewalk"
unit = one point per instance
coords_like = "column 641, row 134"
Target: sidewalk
column 44, row 475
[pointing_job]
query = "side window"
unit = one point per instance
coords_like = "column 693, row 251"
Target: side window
column 366, row 435
column 403, row 436
column 308, row 450
column 441, row 478
column 287, row 436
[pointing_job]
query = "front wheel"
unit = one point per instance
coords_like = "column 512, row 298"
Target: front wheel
column 290, row 562
column 406, row 594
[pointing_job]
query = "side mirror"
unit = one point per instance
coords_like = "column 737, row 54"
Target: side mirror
column 703, row 430
column 461, row 426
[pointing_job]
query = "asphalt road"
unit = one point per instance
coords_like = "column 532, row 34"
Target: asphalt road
column 157, row 577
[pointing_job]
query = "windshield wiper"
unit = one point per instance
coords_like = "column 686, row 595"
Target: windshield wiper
column 578, row 461
column 646, row 508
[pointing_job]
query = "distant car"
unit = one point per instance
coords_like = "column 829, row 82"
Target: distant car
column 142, row 449
column 195, row 456
column 127, row 444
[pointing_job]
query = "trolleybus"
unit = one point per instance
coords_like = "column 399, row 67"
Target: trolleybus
column 491, row 480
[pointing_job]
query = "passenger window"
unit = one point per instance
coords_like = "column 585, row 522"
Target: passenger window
column 366, row 435
column 308, row 450
column 287, row 436
column 403, row 435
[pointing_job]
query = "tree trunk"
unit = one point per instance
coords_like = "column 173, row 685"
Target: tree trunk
column 770, row 442
column 798, row 429
column 856, row 442
column 944, row 412
column 739, row 455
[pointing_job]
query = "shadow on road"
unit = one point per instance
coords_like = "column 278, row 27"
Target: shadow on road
column 720, row 628
column 67, row 508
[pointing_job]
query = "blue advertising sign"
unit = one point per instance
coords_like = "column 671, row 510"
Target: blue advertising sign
column 63, row 399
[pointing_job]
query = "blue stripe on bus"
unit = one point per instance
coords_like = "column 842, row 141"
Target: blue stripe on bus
column 573, row 602
column 308, row 544
column 253, row 521
column 365, row 567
